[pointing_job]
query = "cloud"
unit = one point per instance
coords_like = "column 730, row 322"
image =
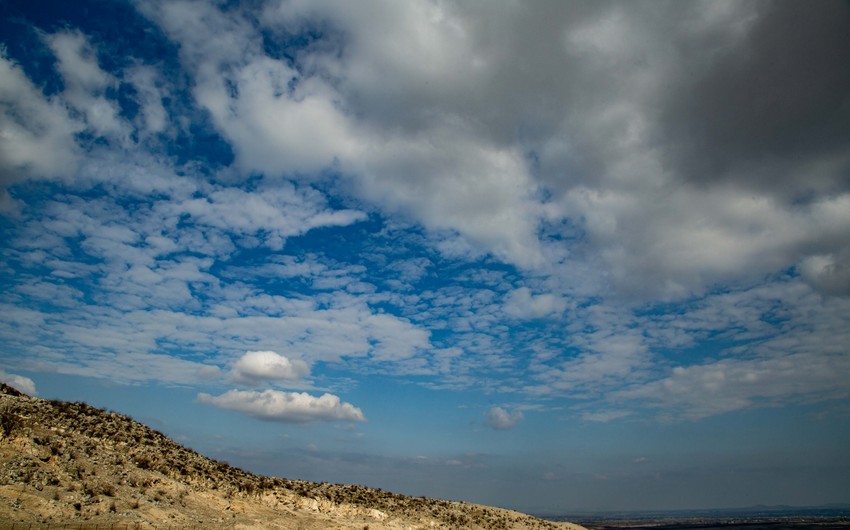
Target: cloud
column 271, row 214
column 490, row 139
column 256, row 367
column 501, row 137
column 709, row 389
column 775, row 354
column 574, row 200
column 86, row 84
column 38, row 133
column 829, row 273
column 501, row 420
column 520, row 303
column 281, row 120
column 287, row 407
column 763, row 123
column 604, row 416
column 19, row 382
column 153, row 118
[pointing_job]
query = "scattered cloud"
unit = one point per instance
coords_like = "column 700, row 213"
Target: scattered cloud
column 502, row 420
column 286, row 407
column 605, row 203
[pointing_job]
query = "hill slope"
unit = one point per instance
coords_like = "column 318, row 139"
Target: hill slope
column 66, row 462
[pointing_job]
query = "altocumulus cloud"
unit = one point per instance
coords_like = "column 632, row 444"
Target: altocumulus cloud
column 288, row 407
column 520, row 303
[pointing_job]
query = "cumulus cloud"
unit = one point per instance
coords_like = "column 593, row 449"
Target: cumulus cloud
column 256, row 367
column 19, row 382
column 287, row 407
column 502, row 420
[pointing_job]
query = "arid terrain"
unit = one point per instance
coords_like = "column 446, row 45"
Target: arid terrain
column 72, row 464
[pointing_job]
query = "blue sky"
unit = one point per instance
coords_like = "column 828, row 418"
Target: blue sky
column 558, row 257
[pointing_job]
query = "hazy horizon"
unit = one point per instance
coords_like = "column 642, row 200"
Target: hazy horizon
column 552, row 256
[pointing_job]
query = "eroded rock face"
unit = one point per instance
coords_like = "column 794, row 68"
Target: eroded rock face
column 70, row 462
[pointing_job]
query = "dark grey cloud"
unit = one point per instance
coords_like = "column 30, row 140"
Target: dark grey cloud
column 769, row 111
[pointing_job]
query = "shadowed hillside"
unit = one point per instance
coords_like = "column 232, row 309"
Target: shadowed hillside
column 66, row 462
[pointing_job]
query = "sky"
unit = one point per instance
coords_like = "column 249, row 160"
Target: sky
column 556, row 256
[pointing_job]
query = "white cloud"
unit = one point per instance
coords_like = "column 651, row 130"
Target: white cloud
column 86, row 83
column 289, row 407
column 256, row 367
column 411, row 269
column 150, row 91
column 272, row 213
column 37, row 134
column 698, row 391
column 501, row 420
column 283, row 121
column 520, row 303
column 701, row 237
column 19, row 382
column 780, row 354
column 278, row 121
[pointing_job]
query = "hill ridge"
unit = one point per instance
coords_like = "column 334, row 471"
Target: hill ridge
column 64, row 462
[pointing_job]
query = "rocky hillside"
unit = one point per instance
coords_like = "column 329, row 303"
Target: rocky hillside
column 73, row 464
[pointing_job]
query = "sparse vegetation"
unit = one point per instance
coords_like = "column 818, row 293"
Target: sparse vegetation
column 103, row 461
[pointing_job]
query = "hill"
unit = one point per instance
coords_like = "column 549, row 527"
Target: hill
column 68, row 464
